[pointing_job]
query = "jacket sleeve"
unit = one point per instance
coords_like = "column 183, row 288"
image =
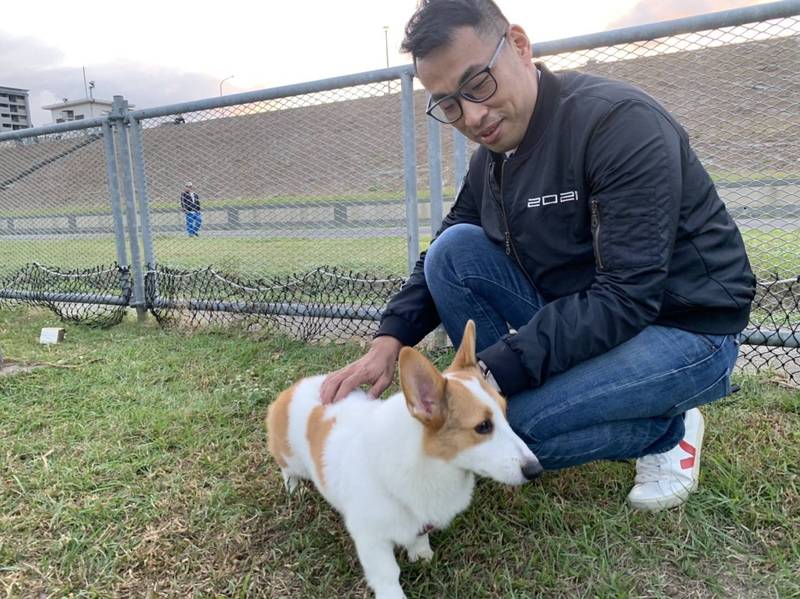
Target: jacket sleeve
column 411, row 313
column 633, row 165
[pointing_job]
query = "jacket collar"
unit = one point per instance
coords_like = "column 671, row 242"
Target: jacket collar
column 545, row 107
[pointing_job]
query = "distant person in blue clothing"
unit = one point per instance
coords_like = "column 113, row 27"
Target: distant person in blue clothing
column 190, row 204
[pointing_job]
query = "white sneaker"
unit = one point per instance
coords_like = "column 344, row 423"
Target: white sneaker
column 665, row 480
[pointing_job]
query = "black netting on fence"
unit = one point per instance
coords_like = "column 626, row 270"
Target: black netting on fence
column 330, row 303
column 774, row 330
column 96, row 296
column 324, row 303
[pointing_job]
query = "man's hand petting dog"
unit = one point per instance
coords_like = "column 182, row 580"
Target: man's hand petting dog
column 375, row 368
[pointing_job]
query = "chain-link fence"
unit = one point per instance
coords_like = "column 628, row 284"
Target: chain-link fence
column 313, row 200
column 57, row 231
column 288, row 211
column 736, row 90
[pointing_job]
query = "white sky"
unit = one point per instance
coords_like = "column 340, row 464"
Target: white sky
column 270, row 42
column 263, row 44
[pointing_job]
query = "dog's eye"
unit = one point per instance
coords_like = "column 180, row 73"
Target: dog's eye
column 485, row 427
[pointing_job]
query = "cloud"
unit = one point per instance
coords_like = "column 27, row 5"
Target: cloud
column 30, row 64
column 647, row 11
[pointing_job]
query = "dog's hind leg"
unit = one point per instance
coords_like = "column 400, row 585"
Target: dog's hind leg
column 293, row 472
column 380, row 566
column 419, row 548
column 289, row 482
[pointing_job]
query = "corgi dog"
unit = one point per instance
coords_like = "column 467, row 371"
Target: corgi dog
column 399, row 468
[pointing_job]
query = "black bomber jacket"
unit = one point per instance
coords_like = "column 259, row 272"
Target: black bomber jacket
column 611, row 216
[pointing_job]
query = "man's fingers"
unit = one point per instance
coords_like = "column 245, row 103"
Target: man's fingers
column 371, row 369
column 330, row 387
column 346, row 387
column 380, row 386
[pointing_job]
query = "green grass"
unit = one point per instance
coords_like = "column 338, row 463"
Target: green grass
column 773, row 252
column 251, row 256
column 768, row 175
column 136, row 464
column 770, row 252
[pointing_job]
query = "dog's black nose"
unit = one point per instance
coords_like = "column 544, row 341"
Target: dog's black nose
column 532, row 469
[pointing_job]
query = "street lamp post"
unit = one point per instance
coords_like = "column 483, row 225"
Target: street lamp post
column 223, row 81
column 386, row 43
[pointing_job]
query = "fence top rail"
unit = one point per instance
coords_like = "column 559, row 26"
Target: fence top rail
column 53, row 129
column 627, row 35
column 275, row 93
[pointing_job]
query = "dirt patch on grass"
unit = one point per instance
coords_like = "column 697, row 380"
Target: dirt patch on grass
column 10, row 368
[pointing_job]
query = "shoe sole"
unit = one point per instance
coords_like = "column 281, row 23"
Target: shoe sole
column 655, row 505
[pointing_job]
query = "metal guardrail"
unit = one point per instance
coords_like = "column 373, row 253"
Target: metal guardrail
column 640, row 33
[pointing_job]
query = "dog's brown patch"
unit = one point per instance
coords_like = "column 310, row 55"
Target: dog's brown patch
column 464, row 413
column 278, row 427
column 317, row 433
column 469, row 375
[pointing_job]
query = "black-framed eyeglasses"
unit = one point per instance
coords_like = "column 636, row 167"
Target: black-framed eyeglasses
column 478, row 88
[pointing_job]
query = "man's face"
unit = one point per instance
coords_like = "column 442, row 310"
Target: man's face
column 500, row 122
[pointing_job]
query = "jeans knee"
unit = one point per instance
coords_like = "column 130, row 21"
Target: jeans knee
column 453, row 242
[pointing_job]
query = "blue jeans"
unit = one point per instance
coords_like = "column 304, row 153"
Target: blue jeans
column 193, row 221
column 626, row 403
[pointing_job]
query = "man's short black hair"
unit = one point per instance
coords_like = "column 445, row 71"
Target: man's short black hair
column 432, row 25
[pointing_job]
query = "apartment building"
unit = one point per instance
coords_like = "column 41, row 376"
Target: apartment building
column 15, row 110
column 76, row 110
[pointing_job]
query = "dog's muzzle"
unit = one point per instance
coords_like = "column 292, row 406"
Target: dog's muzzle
column 532, row 469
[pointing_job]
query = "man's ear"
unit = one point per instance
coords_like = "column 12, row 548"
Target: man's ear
column 519, row 41
column 465, row 356
column 423, row 387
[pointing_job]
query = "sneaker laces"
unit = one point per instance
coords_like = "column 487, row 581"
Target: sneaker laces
column 648, row 468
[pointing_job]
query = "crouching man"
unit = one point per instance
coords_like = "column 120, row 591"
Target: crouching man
column 607, row 281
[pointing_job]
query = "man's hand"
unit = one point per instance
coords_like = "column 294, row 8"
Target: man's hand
column 375, row 368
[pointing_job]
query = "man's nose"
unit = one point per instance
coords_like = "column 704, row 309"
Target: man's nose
column 474, row 113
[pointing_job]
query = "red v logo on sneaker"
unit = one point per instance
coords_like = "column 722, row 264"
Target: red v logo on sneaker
column 687, row 463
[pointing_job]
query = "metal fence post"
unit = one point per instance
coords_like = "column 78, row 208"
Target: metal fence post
column 118, row 114
column 459, row 159
column 113, row 188
column 145, row 222
column 435, row 173
column 410, row 161
column 141, row 187
column 435, row 184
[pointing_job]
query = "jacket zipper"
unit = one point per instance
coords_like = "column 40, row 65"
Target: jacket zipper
column 596, row 234
column 509, row 245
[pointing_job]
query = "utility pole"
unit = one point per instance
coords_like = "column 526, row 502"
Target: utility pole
column 386, row 46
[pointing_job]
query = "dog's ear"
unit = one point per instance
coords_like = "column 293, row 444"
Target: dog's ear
column 423, row 387
column 465, row 356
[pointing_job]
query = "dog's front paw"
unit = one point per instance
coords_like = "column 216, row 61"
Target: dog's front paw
column 425, row 554
column 420, row 549
column 390, row 592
